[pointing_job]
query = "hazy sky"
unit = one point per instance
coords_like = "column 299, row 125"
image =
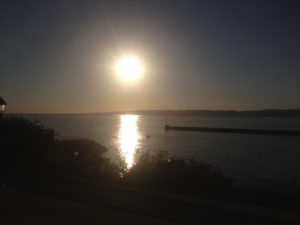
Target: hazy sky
column 58, row 56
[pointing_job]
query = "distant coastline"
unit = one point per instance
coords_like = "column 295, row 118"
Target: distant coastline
column 213, row 113
column 229, row 113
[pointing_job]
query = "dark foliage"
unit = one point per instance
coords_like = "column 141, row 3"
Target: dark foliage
column 81, row 157
column 176, row 175
column 23, row 142
column 29, row 145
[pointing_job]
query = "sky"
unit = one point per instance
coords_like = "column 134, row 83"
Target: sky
column 59, row 56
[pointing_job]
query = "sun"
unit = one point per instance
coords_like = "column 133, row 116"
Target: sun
column 129, row 68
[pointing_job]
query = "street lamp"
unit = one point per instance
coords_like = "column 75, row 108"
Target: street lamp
column 2, row 109
column 2, row 105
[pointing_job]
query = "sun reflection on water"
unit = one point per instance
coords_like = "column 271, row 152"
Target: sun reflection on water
column 128, row 138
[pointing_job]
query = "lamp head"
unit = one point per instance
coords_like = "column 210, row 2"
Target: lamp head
column 2, row 105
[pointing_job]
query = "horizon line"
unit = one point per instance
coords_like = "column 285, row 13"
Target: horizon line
column 154, row 110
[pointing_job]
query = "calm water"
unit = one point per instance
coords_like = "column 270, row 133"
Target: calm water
column 240, row 155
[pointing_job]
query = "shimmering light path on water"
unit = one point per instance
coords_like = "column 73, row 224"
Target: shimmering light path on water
column 128, row 138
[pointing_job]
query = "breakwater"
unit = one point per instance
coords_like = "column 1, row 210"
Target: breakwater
column 234, row 130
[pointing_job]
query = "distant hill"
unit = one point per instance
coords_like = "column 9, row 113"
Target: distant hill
column 258, row 113
column 221, row 113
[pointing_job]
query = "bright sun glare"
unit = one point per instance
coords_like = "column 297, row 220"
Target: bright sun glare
column 129, row 68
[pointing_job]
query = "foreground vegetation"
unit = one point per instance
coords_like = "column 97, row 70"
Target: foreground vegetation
column 30, row 146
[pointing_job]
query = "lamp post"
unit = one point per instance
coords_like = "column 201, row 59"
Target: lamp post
column 2, row 106
column 2, row 109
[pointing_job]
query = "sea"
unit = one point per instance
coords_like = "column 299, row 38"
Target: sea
column 251, row 159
